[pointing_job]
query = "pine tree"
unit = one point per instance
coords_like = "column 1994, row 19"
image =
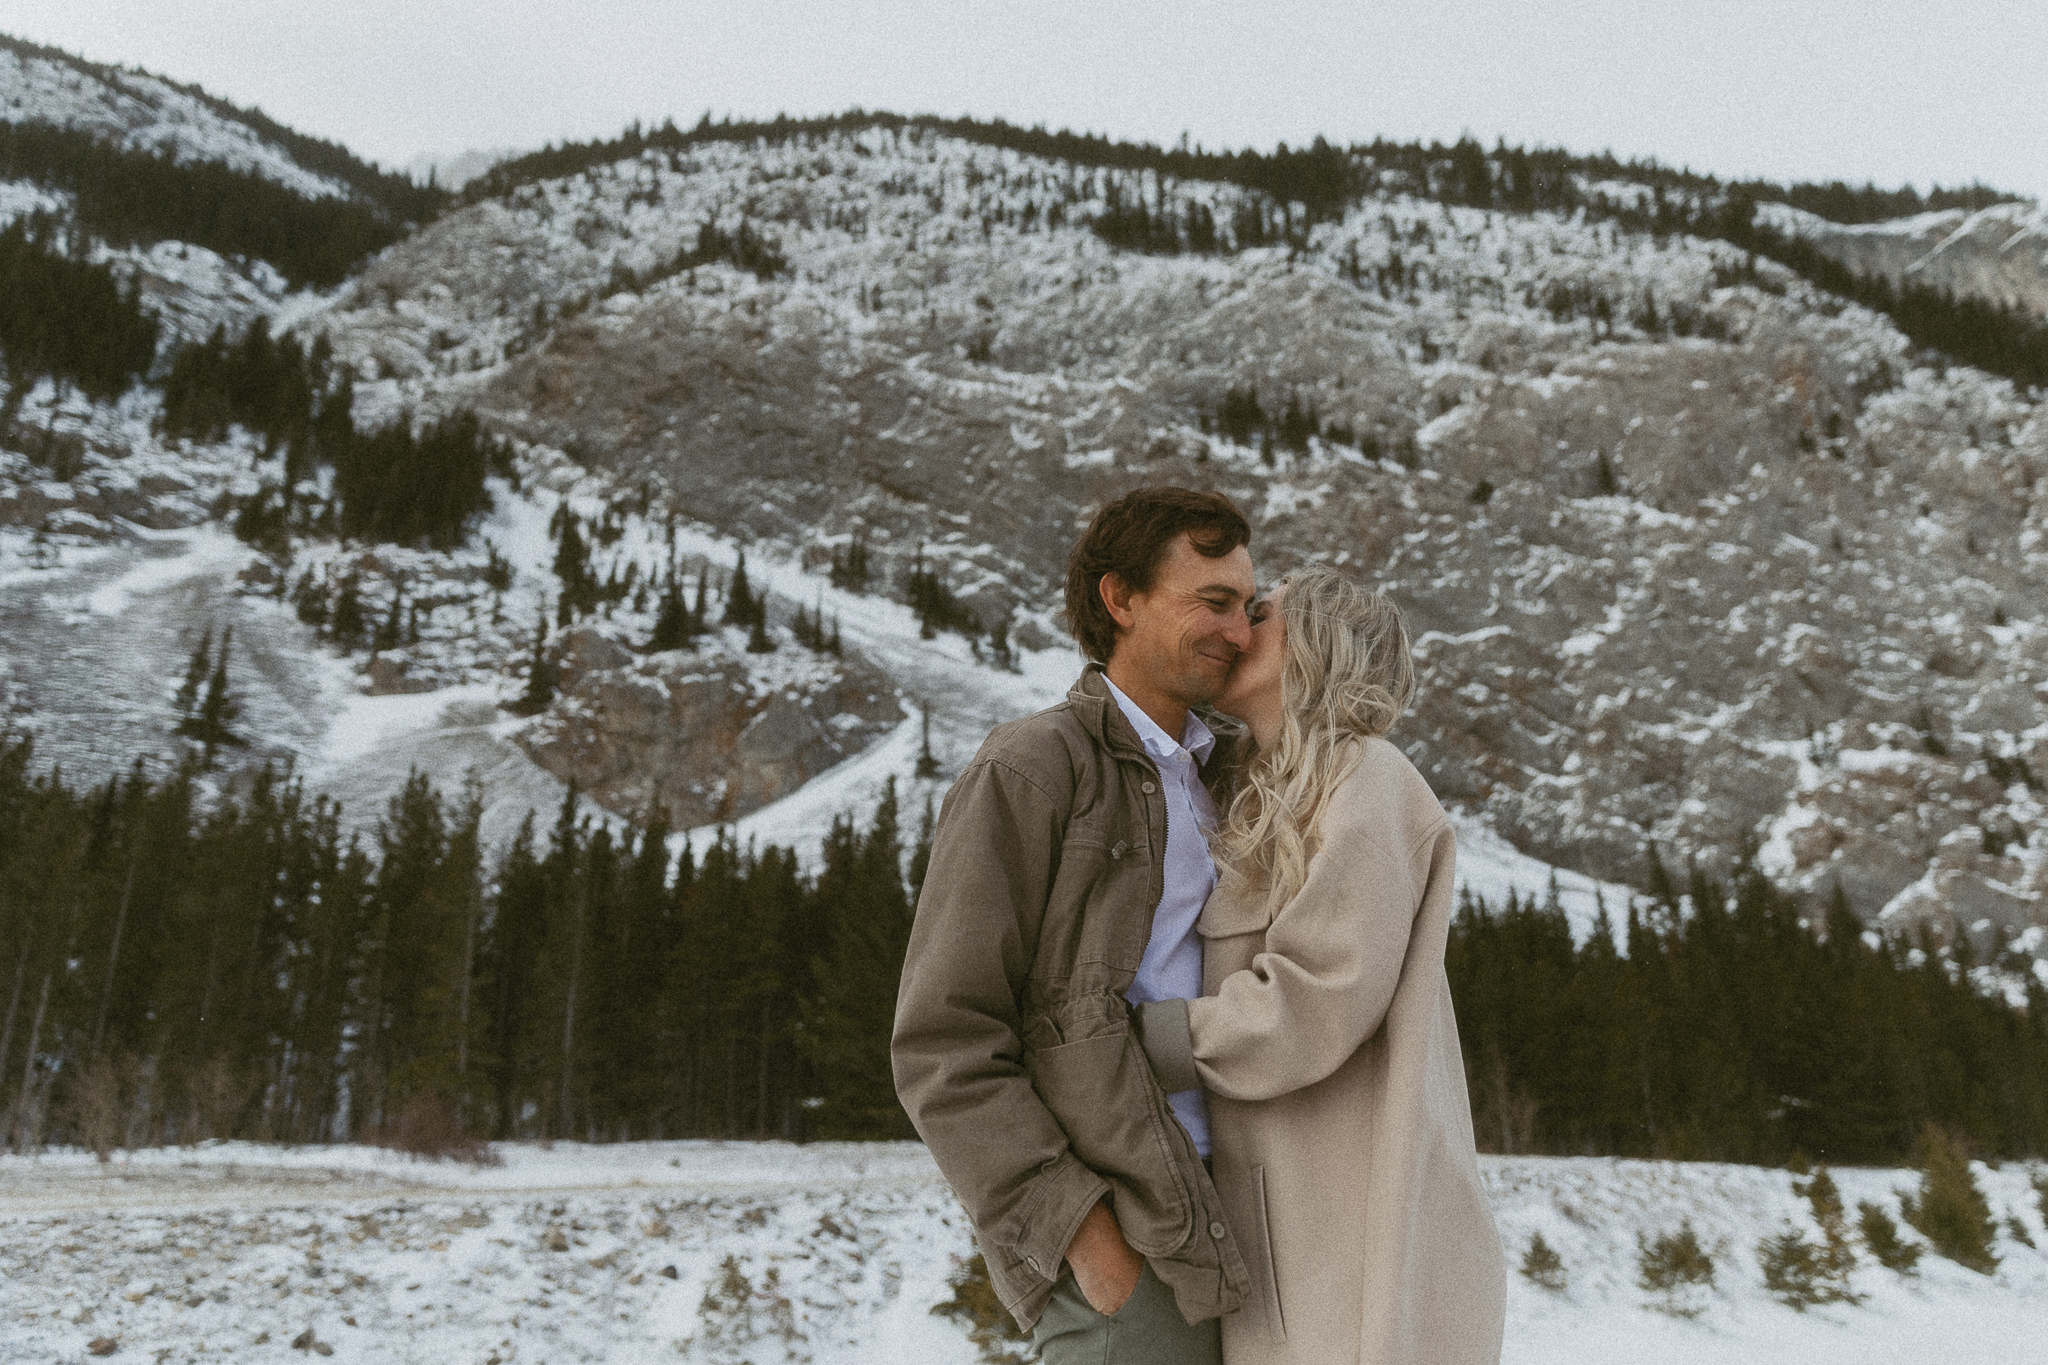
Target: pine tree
column 1609, row 485
column 1676, row 1268
column 741, row 607
column 345, row 622
column 572, row 567
column 1837, row 1257
column 673, row 626
column 927, row 762
column 212, row 722
column 1542, row 1266
column 1950, row 1210
column 850, row 569
column 196, row 670
column 1881, row 1235
column 540, row 671
column 848, row 1019
column 758, row 639
column 391, row 631
column 510, row 969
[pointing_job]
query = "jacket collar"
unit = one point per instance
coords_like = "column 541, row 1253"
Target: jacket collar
column 1099, row 714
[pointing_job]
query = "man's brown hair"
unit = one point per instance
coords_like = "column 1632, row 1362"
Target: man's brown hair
column 1130, row 538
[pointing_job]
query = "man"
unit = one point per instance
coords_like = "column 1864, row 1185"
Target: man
column 1067, row 869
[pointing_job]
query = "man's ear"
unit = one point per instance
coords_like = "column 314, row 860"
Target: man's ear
column 1116, row 596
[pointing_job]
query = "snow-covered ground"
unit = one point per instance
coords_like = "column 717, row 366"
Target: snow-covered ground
column 837, row 1253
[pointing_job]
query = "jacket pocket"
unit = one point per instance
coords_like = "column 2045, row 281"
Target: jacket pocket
column 1102, row 1092
column 1269, row 1275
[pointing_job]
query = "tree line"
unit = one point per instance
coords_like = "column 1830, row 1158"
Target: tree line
column 171, row 971
column 1730, row 1028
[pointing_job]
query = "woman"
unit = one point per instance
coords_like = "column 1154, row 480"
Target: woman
column 1324, row 1036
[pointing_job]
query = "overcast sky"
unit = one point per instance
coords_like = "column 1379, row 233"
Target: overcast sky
column 1891, row 90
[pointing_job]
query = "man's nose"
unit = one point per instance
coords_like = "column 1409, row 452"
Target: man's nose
column 1239, row 632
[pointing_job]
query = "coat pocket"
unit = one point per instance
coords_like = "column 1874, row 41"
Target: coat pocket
column 1269, row 1275
column 1102, row 1092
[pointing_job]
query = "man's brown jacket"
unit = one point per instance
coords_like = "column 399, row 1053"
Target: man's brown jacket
column 1013, row 1048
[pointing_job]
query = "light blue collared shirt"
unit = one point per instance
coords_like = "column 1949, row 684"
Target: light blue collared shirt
column 1171, row 968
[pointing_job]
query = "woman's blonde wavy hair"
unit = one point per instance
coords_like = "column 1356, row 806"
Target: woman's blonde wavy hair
column 1346, row 675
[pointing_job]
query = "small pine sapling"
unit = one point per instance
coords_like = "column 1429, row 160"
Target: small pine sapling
column 1677, row 1269
column 540, row 672
column 1543, row 1267
column 1834, row 1258
column 1950, row 1210
column 1881, row 1235
column 1791, row 1266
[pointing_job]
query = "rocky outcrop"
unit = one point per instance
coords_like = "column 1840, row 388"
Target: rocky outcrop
column 705, row 734
column 1939, row 840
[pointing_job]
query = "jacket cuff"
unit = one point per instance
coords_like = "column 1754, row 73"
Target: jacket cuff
column 1066, row 1192
column 1169, row 1046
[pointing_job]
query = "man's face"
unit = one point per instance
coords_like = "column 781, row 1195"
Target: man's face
column 1180, row 637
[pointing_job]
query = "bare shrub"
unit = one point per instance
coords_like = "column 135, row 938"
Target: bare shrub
column 431, row 1129
column 95, row 1108
column 989, row 1325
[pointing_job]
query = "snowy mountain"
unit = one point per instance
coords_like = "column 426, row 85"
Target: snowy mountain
column 1729, row 568
column 1697, row 557
column 1998, row 253
column 141, row 112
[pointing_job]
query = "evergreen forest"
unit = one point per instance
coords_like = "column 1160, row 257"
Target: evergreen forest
column 135, row 198
column 65, row 318
column 397, row 484
column 173, row 969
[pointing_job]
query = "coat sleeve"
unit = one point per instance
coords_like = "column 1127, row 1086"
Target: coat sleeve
column 957, row 1048
column 1333, row 958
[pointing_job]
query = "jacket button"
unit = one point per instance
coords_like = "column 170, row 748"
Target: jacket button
column 1218, row 1231
column 1032, row 1261
column 1147, row 788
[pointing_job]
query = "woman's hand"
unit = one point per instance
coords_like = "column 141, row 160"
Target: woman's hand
column 1106, row 1269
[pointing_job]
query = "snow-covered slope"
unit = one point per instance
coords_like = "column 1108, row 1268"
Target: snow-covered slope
column 1695, row 557
column 836, row 1254
column 141, row 112
column 1998, row 253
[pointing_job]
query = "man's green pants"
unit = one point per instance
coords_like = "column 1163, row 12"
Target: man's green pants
column 1147, row 1330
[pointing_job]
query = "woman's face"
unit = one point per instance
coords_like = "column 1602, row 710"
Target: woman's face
column 1254, row 685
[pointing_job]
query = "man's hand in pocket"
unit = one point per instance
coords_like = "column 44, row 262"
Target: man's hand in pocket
column 1105, row 1268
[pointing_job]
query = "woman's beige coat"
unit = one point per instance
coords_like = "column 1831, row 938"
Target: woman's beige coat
column 1342, row 1131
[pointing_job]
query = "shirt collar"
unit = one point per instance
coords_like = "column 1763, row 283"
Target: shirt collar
column 1196, row 741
